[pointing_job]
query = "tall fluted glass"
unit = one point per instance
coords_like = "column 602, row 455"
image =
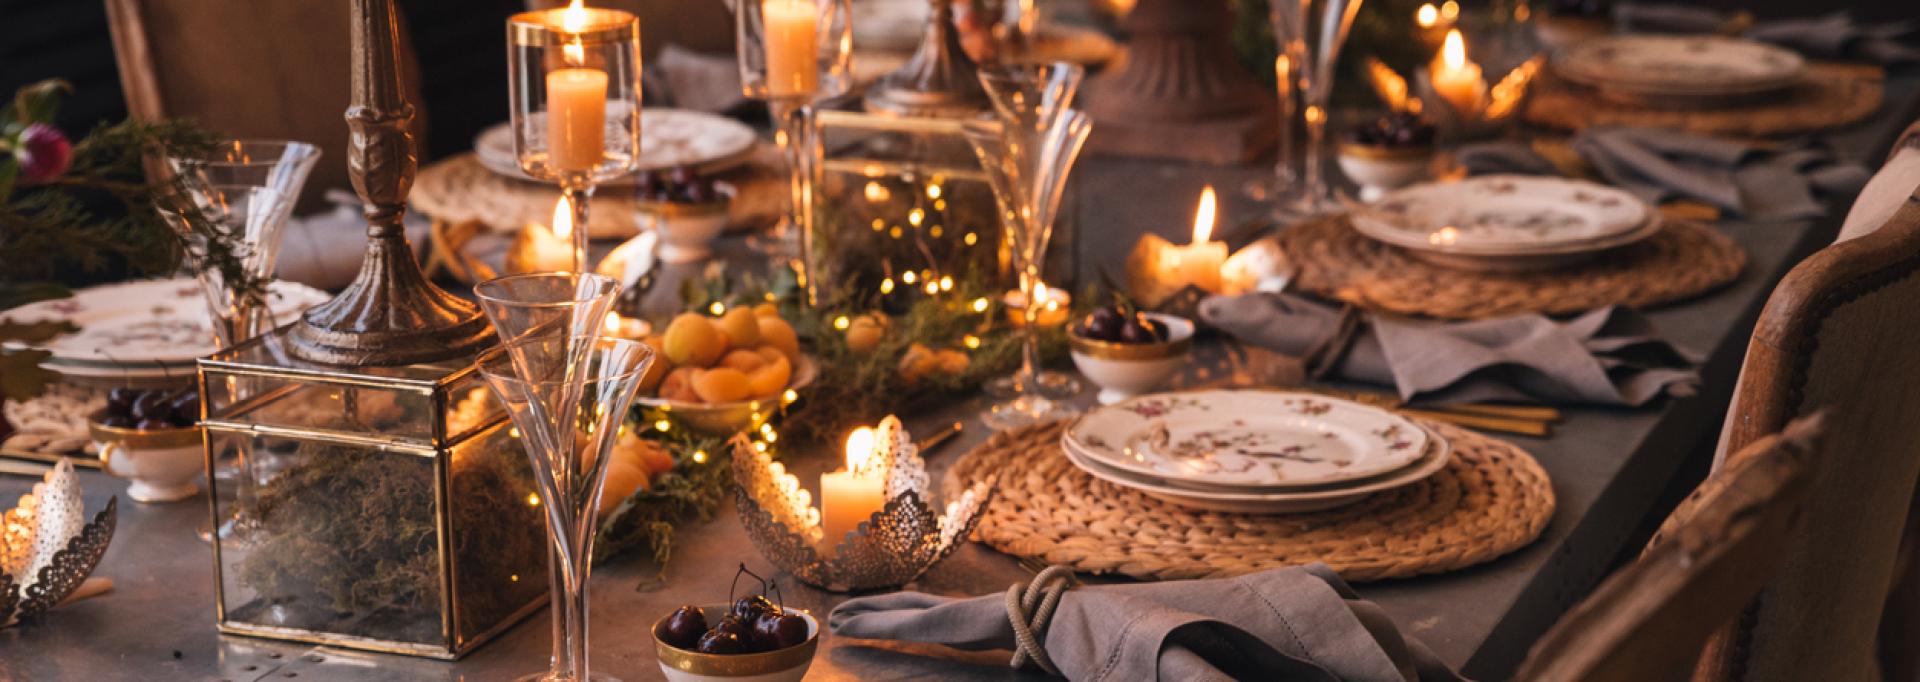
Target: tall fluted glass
column 1310, row 34
column 248, row 188
column 1027, row 154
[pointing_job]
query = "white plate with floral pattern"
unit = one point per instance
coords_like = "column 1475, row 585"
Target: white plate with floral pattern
column 1298, row 500
column 668, row 138
column 146, row 325
column 1504, row 215
column 1249, row 439
column 1686, row 65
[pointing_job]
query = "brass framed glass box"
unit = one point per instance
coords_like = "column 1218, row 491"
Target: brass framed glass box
column 388, row 509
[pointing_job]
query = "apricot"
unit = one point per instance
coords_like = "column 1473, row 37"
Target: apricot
column 678, row 386
column 693, row 341
column 777, row 333
column 770, row 379
column 654, row 458
column 741, row 327
column 864, row 334
column 745, row 360
column 766, row 310
column 721, row 385
column 624, row 478
column 953, row 362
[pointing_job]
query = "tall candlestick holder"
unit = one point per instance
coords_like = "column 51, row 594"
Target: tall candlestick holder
column 896, row 544
column 575, row 89
column 794, row 53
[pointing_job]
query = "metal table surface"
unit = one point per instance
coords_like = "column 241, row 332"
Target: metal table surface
column 1608, row 467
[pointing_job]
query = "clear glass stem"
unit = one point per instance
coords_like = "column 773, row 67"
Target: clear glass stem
column 1315, row 182
column 578, row 196
column 1029, row 380
column 1286, row 72
column 570, row 534
column 795, row 118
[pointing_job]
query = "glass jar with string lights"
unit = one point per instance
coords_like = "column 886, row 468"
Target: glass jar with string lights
column 574, row 82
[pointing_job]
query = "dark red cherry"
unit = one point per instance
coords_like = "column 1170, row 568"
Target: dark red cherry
column 721, row 642
column 684, row 627
column 779, row 631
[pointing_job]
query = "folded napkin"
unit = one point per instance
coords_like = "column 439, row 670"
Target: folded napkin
column 1773, row 182
column 1610, row 356
column 1297, row 623
column 1834, row 36
column 697, row 81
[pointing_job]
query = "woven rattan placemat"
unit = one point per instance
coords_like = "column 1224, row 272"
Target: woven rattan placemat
column 1334, row 261
column 1490, row 500
column 1832, row 95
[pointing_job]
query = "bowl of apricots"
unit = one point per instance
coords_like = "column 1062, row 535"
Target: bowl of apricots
column 715, row 373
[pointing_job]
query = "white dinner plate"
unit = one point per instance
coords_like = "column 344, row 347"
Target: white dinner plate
column 1249, row 439
column 1680, row 65
column 150, row 327
column 668, row 138
column 1504, row 215
column 1434, row 458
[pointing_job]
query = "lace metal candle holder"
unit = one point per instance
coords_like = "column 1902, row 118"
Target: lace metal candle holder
column 892, row 547
column 47, row 547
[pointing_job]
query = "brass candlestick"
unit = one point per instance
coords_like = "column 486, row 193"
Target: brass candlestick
column 391, row 314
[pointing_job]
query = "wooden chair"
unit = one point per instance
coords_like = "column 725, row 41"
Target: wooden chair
column 1648, row 621
column 248, row 68
column 1840, row 331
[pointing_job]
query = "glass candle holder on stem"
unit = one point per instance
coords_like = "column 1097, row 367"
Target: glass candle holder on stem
column 574, row 82
column 793, row 53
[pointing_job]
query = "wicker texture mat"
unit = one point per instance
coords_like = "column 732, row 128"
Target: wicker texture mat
column 1491, row 499
column 1684, row 260
column 1832, row 95
column 459, row 189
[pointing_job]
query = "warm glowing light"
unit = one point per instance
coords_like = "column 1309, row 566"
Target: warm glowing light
column 1453, row 53
column 717, row 308
column 789, row 396
column 946, row 283
column 915, row 216
column 980, row 304
column 533, row 499
column 574, row 53
column 876, row 193
column 886, row 285
column 841, row 323
column 895, row 232
column 908, row 277
column 574, row 18
column 1203, row 217
column 562, row 218
column 613, row 322
column 860, row 449
column 970, row 239
column 879, row 224
column 932, row 287
column 1450, row 10
column 933, row 191
column 971, row 341
column 663, row 425
column 700, row 456
column 1388, row 84
column 1427, row 15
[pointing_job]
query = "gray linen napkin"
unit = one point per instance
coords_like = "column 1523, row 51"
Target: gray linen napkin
column 697, row 81
column 1834, row 36
column 1609, row 356
column 1777, row 183
column 1296, row 623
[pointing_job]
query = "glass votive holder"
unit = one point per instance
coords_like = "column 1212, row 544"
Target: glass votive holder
column 574, row 80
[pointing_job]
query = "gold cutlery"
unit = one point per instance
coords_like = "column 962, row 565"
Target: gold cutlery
column 934, row 441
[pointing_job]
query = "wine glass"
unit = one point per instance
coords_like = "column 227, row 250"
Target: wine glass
column 1027, row 154
column 1310, row 34
column 574, row 85
column 793, row 53
column 248, row 189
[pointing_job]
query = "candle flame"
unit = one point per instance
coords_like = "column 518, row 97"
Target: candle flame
column 575, row 54
column 613, row 325
column 1427, row 16
column 1507, row 93
column 859, row 449
column 1388, row 84
column 1203, row 217
column 562, row 218
column 574, row 18
column 1454, row 53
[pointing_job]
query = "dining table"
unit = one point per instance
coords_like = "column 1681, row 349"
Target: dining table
column 1615, row 473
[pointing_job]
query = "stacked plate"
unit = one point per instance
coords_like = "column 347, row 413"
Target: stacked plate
column 668, row 138
column 1507, row 222
column 142, row 332
column 1681, row 71
column 1258, row 452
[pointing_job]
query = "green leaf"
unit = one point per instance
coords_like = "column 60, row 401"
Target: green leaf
column 39, row 102
column 21, row 376
column 14, row 294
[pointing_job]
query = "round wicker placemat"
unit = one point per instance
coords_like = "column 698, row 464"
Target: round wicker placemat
column 1832, row 95
column 458, row 189
column 1490, row 500
column 1334, row 261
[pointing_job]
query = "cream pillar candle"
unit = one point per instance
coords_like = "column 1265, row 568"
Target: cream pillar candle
column 576, row 118
column 850, row 497
column 792, row 46
column 1199, row 262
column 1456, row 79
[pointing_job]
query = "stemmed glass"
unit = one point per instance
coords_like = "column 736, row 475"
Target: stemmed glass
column 1310, row 34
column 794, row 53
column 1027, row 154
column 567, row 391
column 248, row 188
column 574, row 82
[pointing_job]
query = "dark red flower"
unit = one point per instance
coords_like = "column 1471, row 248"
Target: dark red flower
column 43, row 152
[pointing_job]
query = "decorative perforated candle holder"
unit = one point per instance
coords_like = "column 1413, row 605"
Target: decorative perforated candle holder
column 894, row 545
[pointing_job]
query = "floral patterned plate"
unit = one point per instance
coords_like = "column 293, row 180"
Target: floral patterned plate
column 1502, row 215
column 146, row 325
column 1247, row 439
column 1684, row 65
column 668, row 138
column 1298, row 500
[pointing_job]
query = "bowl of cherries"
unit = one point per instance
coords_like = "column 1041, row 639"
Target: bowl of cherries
column 688, row 211
column 1127, row 352
column 1388, row 153
column 152, row 437
column 750, row 638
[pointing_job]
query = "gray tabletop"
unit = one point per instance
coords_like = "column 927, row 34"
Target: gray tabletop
column 1609, row 468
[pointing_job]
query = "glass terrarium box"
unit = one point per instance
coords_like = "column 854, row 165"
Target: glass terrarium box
column 389, row 509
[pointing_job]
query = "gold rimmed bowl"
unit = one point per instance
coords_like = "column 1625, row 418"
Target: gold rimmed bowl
column 163, row 464
column 780, row 665
column 1382, row 168
column 687, row 229
column 1124, row 370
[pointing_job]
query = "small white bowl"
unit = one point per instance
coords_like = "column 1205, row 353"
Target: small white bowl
column 164, row 464
column 781, row 665
column 1380, row 169
column 687, row 231
column 1124, row 370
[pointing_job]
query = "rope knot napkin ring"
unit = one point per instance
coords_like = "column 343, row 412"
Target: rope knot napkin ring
column 1029, row 612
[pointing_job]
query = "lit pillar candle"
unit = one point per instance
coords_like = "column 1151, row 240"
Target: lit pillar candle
column 1199, row 262
column 576, row 103
column 850, row 497
column 1456, row 79
column 792, row 46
